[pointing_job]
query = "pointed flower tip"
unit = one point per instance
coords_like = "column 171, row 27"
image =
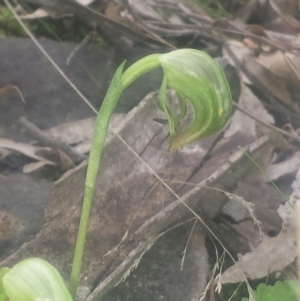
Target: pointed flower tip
column 198, row 79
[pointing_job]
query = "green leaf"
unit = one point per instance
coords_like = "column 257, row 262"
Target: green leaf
column 34, row 279
column 280, row 291
column 3, row 296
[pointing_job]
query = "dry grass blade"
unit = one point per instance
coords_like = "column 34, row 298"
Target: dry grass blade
column 4, row 89
column 249, row 207
column 186, row 245
column 270, row 126
column 149, row 246
column 292, row 66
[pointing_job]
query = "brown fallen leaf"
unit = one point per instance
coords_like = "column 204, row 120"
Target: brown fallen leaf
column 280, row 87
column 79, row 133
column 25, row 149
column 85, row 2
column 37, row 14
column 287, row 167
column 244, row 124
column 112, row 11
column 287, row 18
column 277, row 63
column 33, row 167
column 65, row 162
column 268, row 257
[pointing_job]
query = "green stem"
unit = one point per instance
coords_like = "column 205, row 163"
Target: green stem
column 196, row 78
column 118, row 84
column 101, row 125
column 140, row 67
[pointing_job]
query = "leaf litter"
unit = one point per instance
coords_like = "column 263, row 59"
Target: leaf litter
column 283, row 216
column 267, row 257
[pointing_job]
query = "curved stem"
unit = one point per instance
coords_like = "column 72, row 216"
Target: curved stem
column 196, row 77
column 140, row 67
column 101, row 125
column 118, row 84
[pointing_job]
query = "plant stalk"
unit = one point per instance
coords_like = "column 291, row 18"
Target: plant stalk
column 100, row 130
column 118, row 84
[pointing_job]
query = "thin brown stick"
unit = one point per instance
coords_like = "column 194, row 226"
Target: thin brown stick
column 212, row 288
column 46, row 140
column 15, row 88
column 194, row 28
column 78, row 47
column 270, row 126
column 152, row 34
column 292, row 66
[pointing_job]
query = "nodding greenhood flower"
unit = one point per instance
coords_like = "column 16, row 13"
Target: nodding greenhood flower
column 196, row 78
column 34, row 279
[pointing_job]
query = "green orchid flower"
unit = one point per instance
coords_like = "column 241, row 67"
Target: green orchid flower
column 34, row 279
column 196, row 78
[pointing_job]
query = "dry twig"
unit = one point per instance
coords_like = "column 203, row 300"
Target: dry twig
column 46, row 140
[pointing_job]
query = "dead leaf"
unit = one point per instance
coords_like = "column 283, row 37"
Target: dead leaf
column 240, row 51
column 65, row 162
column 281, row 11
column 73, row 132
column 274, row 253
column 144, row 9
column 37, row 14
column 289, row 166
column 277, row 64
column 290, row 7
column 79, row 133
column 25, row 149
column 85, row 2
column 281, row 87
column 33, row 167
column 256, row 213
column 244, row 124
column 112, row 11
